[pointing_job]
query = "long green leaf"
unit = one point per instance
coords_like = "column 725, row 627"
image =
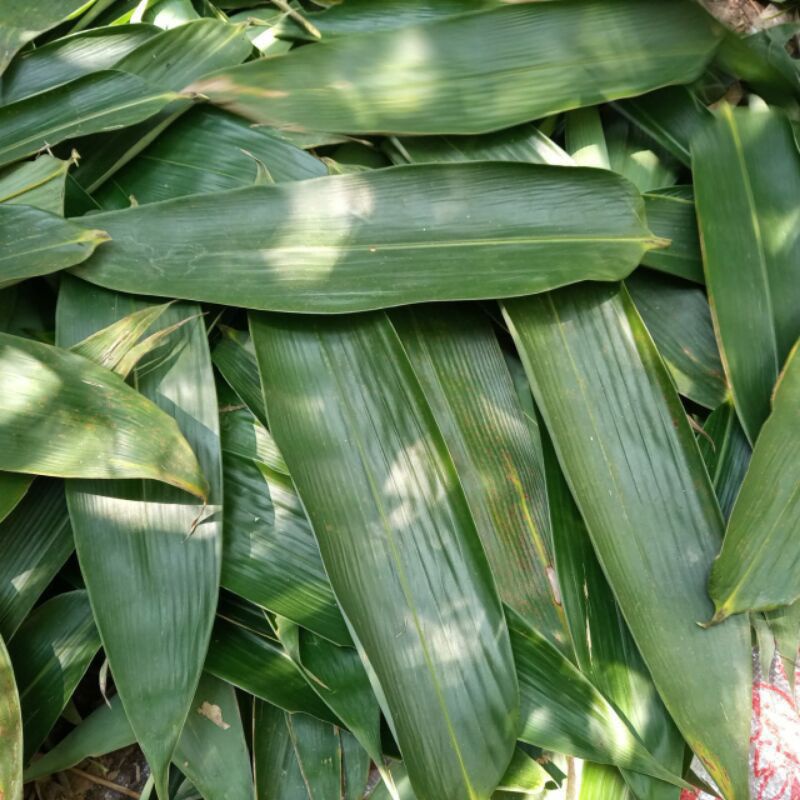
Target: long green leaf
column 35, row 541
column 632, row 464
column 604, row 649
column 20, row 24
column 244, row 436
column 600, row 782
column 319, row 756
column 205, row 151
column 235, row 358
column 747, row 179
column 51, row 652
column 398, row 543
column 13, row 488
column 70, row 57
column 64, row 416
column 98, row 102
column 379, row 238
column 562, row 711
column 679, row 319
column 37, row 183
column 460, row 366
column 11, row 725
column 758, row 566
column 275, row 763
column 148, row 541
column 35, row 242
column 425, row 79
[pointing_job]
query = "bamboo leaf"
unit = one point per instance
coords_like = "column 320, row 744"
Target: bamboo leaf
column 35, row 541
column 244, row 436
column 70, row 57
column 64, row 416
column 11, row 725
column 636, row 474
column 21, row 24
column 459, row 364
column 205, row 151
column 316, row 745
column 51, row 652
column 379, row 238
column 600, row 782
column 149, row 541
column 98, row 102
column 355, row 767
column 757, row 567
column 397, row 542
column 747, row 178
column 235, row 359
column 12, row 489
column 424, row 79
column 36, row 242
column 678, row 318
column 37, row 183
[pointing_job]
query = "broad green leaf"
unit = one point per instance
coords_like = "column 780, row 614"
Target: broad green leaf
column 13, row 488
column 35, row 242
column 275, row 763
column 235, row 359
column 355, row 767
column 243, row 435
column 678, row 318
column 149, row 541
column 525, row 775
column 270, row 556
column 397, row 541
column 37, row 183
column 562, row 711
column 671, row 116
column 318, row 750
column 758, row 565
column 634, row 156
column 101, row 101
column 11, row 725
column 379, row 238
column 604, row 649
column 35, row 541
column 20, row 23
column 726, row 451
column 747, row 179
column 671, row 215
column 205, row 151
column 601, row 782
column 51, row 652
column 584, row 138
column 524, row 143
column 69, row 57
column 425, row 79
column 65, row 416
column 460, row 366
column 211, row 752
column 784, row 622
column 260, row 666
column 632, row 464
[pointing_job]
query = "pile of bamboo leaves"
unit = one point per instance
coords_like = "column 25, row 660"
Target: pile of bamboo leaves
column 398, row 399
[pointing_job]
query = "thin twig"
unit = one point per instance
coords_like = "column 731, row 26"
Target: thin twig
column 103, row 782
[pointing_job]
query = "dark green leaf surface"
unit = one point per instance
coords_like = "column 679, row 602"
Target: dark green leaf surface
column 636, row 157
column 397, row 541
column 149, row 541
column 35, row 541
column 425, row 79
column 65, row 416
column 101, row 101
column 759, row 566
column 355, row 767
column 20, row 23
column 37, row 183
column 747, row 180
column 235, row 358
column 11, row 725
column 671, row 116
column 562, row 711
column 260, row 667
column 632, row 464
column 460, row 366
column 275, row 763
column 51, row 652
column 671, row 215
column 13, row 488
column 604, row 649
column 316, row 745
column 205, row 151
column 379, row 238
column 243, row 435
column 35, row 242
column 678, row 318
column 70, row 57
column 726, row 451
